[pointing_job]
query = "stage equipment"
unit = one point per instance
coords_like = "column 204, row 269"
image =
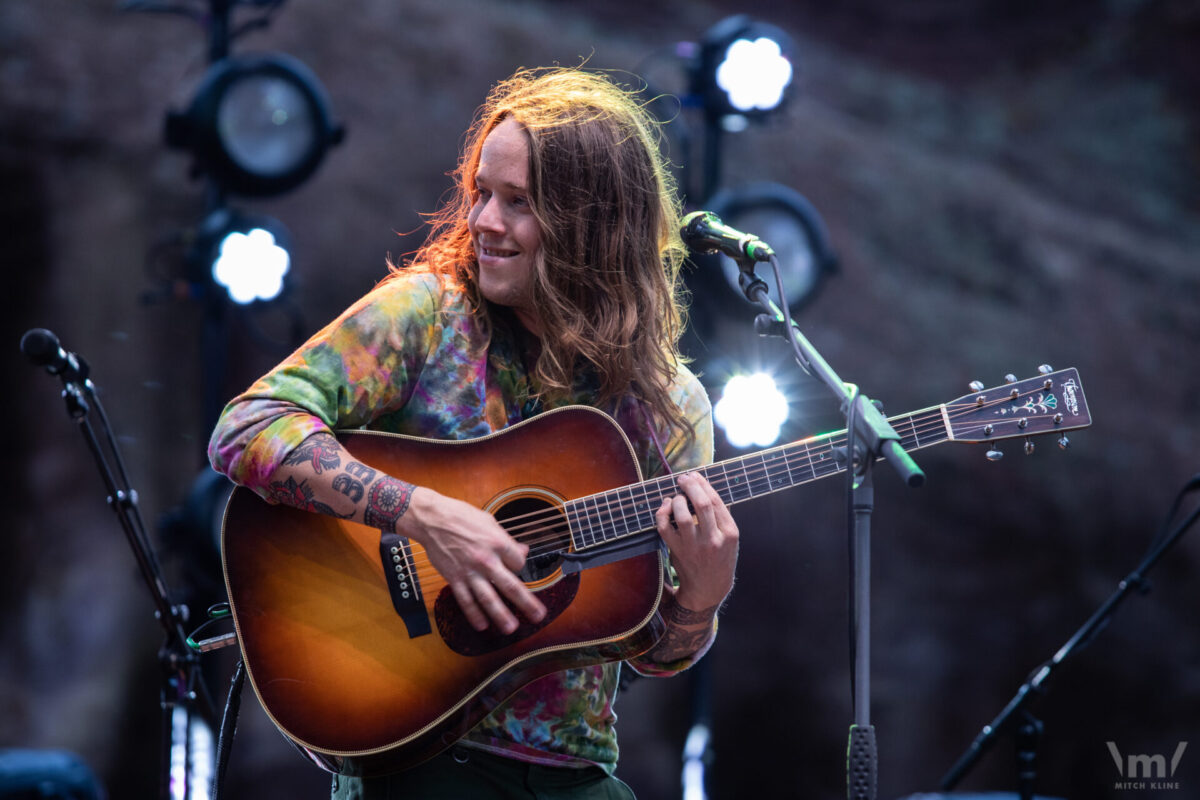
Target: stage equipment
column 247, row 254
column 741, row 71
column 800, row 241
column 744, row 68
column 186, row 706
column 259, row 125
column 871, row 438
column 751, row 410
column 1016, row 718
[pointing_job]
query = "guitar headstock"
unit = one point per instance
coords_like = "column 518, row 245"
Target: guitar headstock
column 1053, row 402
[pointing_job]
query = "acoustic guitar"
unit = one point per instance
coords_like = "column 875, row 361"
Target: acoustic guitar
column 356, row 646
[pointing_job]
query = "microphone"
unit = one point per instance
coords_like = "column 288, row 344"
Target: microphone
column 43, row 349
column 703, row 231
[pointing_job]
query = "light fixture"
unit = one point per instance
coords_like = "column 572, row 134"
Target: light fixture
column 745, row 68
column 751, row 410
column 193, row 755
column 246, row 254
column 258, row 125
column 788, row 222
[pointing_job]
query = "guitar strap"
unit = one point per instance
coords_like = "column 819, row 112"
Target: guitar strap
column 662, row 456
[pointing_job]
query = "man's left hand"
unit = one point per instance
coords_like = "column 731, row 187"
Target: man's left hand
column 704, row 546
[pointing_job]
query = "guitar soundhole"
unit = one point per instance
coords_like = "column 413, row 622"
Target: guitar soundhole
column 541, row 525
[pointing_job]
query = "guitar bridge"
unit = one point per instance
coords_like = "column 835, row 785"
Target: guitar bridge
column 402, row 583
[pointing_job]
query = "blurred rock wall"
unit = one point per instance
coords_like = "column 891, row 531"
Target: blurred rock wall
column 1005, row 184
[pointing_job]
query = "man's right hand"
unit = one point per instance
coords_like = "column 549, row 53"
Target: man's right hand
column 476, row 556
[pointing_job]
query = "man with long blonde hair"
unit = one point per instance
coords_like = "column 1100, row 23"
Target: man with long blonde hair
column 550, row 278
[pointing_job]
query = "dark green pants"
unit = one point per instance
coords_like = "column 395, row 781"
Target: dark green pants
column 464, row 773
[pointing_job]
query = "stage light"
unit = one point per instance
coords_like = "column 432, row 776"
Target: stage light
column 754, row 74
column 258, row 125
column 192, row 755
column 751, row 410
column 788, row 222
column 246, row 254
column 745, row 68
column 251, row 265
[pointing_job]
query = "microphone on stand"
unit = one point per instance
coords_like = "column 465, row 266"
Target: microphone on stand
column 705, row 232
column 43, row 349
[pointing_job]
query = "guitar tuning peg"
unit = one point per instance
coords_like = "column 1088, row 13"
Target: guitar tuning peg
column 1028, row 447
column 1045, row 369
column 1064, row 442
column 993, row 453
column 1010, row 378
column 975, row 386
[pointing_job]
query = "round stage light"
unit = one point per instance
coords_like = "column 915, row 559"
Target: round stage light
column 754, row 74
column 751, row 410
column 251, row 265
column 258, row 125
column 745, row 67
column 248, row 255
column 790, row 224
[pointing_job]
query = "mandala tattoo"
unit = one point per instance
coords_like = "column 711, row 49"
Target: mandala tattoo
column 300, row 495
column 386, row 502
column 320, row 450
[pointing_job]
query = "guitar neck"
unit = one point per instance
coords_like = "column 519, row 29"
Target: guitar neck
column 601, row 518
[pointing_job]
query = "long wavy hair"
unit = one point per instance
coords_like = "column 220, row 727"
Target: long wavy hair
column 606, row 281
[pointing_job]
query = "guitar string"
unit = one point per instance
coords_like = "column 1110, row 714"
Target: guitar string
column 931, row 420
column 557, row 534
column 536, row 519
column 543, row 538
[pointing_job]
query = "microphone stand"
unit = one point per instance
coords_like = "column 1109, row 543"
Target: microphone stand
column 181, row 686
column 869, row 437
column 1030, row 728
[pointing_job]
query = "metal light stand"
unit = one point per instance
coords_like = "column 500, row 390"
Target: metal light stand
column 869, row 437
column 1029, row 727
column 181, row 685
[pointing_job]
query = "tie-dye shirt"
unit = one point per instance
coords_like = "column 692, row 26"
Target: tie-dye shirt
column 409, row 358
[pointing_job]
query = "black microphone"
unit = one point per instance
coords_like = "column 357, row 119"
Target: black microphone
column 704, row 231
column 43, row 349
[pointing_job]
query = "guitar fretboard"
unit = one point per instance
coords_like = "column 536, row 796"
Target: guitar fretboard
column 605, row 517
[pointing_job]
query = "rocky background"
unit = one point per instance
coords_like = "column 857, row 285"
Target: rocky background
column 1006, row 184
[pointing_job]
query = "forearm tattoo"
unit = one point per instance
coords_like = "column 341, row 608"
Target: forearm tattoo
column 319, row 450
column 386, row 502
column 683, row 638
column 386, row 498
column 353, row 482
column 300, row 495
